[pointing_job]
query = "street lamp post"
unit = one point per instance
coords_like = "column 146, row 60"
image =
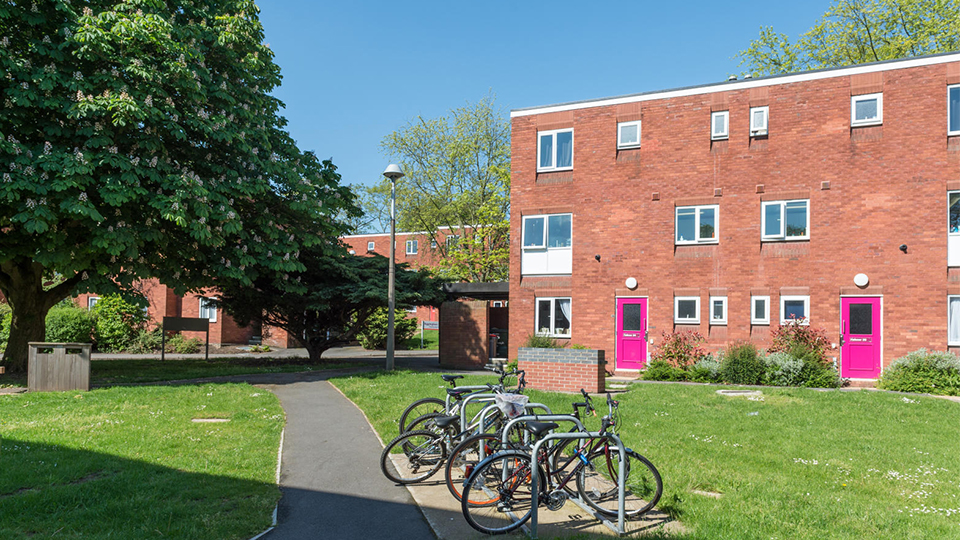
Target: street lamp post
column 394, row 173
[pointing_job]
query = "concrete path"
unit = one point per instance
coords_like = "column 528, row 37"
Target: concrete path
column 330, row 475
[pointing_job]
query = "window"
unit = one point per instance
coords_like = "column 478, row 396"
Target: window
column 92, row 301
column 719, row 125
column 370, row 246
column 412, row 309
column 718, row 310
column 785, row 220
column 498, row 303
column 628, row 134
column 686, row 310
column 795, row 308
column 866, row 110
column 553, row 317
column 555, row 150
column 697, row 224
column 208, row 309
column 758, row 120
column 953, row 320
column 433, row 244
column 759, row 310
column 953, row 109
column 547, row 244
column 452, row 241
column 412, row 247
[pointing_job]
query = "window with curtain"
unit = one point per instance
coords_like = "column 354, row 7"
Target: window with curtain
column 553, row 317
column 953, row 320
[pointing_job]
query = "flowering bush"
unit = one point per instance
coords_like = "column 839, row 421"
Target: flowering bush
column 680, row 349
column 931, row 372
column 797, row 339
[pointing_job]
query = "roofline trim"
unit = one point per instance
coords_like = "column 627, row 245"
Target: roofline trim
column 726, row 86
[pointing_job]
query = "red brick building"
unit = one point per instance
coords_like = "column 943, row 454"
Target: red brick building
column 831, row 196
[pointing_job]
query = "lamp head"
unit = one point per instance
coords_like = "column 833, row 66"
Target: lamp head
column 393, row 172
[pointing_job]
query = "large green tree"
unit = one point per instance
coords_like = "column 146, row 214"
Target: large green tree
column 457, row 183
column 336, row 296
column 139, row 139
column 858, row 31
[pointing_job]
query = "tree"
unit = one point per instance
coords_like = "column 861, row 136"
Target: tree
column 858, row 31
column 337, row 295
column 457, row 176
column 139, row 139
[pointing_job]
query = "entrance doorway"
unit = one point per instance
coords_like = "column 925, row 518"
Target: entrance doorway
column 861, row 335
column 631, row 333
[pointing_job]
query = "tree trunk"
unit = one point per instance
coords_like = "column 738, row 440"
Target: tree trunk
column 21, row 282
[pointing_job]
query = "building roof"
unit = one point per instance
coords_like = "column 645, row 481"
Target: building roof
column 478, row 291
column 757, row 82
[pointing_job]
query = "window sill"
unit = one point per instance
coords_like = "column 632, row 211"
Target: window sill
column 865, row 124
column 541, row 171
column 776, row 240
column 705, row 243
column 636, row 146
column 686, row 322
column 759, row 323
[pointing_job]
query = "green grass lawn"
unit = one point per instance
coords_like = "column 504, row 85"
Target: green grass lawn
column 792, row 464
column 106, row 372
column 431, row 341
column 131, row 463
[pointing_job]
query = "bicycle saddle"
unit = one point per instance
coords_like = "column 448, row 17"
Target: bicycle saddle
column 539, row 428
column 453, row 392
column 451, row 378
column 443, row 422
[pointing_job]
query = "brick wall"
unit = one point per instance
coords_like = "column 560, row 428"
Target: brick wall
column 870, row 190
column 464, row 334
column 563, row 370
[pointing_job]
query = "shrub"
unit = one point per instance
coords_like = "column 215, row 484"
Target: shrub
column 146, row 341
column 373, row 335
column 783, row 369
column 679, row 349
column 181, row 345
column 68, row 324
column 791, row 336
column 658, row 370
column 6, row 316
column 513, row 364
column 923, row 371
column 579, row 347
column 542, row 342
column 117, row 323
column 742, row 364
column 706, row 370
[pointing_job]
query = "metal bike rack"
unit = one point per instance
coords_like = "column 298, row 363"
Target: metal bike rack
column 621, row 481
column 446, row 406
column 528, row 406
column 467, row 400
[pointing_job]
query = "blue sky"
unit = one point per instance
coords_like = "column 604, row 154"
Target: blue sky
column 354, row 71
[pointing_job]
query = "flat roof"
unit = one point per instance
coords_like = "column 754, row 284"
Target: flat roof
column 757, row 82
column 479, row 291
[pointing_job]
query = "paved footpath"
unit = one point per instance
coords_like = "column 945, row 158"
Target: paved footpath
column 330, row 473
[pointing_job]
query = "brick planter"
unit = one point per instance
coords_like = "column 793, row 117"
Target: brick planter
column 564, row 370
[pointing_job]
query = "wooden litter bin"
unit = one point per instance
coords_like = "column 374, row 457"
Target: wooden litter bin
column 54, row 367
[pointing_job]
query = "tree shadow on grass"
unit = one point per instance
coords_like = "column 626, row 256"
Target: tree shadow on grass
column 48, row 491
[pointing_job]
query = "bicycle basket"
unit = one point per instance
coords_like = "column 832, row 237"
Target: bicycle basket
column 512, row 405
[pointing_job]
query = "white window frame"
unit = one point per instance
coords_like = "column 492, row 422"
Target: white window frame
column 622, row 145
column 949, row 88
column 765, row 320
column 411, row 247
column 433, row 244
column 553, row 160
column 757, row 131
column 806, row 309
column 725, row 134
column 871, row 121
column 371, row 246
column 207, row 312
column 782, row 236
column 92, row 302
column 696, row 227
column 411, row 309
column 557, row 260
column 543, row 237
column 553, row 317
column 722, row 321
column 950, row 343
column 676, row 310
column 451, row 241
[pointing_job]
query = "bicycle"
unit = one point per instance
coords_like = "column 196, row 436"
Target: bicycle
column 432, row 405
column 502, row 482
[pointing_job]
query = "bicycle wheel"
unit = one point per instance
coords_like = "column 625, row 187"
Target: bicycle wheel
column 425, row 421
column 419, row 408
column 413, row 457
column 497, row 497
column 465, row 458
column 598, row 486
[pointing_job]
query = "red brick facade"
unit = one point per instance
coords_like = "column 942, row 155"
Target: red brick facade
column 870, row 190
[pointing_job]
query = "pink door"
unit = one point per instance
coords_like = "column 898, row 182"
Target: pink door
column 631, row 333
column 861, row 335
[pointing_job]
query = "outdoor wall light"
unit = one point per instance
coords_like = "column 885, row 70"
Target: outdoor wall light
column 903, row 248
column 597, row 257
column 861, row 280
column 631, row 283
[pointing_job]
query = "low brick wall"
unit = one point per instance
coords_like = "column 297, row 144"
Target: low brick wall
column 564, row 370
